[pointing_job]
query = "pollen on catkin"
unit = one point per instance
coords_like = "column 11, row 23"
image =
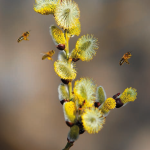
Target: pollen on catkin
column 65, row 70
column 67, row 14
column 86, row 47
column 74, row 54
column 57, row 35
column 76, row 30
column 92, row 120
column 85, row 89
column 129, row 95
column 45, row 7
column 109, row 104
column 69, row 111
column 100, row 95
column 87, row 105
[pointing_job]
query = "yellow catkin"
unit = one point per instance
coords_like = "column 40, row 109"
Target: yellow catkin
column 86, row 47
column 76, row 30
column 64, row 70
column 85, row 89
column 67, row 14
column 45, row 7
column 109, row 104
column 70, row 110
column 92, row 120
column 57, row 35
column 129, row 95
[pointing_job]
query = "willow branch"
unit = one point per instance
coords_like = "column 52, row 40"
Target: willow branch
column 68, row 145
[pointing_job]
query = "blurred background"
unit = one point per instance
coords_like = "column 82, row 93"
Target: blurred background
column 31, row 116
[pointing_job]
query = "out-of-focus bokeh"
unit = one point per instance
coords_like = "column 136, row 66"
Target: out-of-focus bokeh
column 31, row 116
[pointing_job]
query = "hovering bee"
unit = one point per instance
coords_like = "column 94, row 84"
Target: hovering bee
column 23, row 37
column 48, row 55
column 125, row 58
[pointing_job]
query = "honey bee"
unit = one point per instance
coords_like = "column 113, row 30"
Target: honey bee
column 125, row 58
column 23, row 37
column 48, row 55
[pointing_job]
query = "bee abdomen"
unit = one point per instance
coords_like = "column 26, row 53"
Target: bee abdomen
column 121, row 61
column 20, row 39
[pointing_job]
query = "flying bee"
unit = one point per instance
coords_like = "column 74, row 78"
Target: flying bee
column 24, row 36
column 125, row 58
column 48, row 55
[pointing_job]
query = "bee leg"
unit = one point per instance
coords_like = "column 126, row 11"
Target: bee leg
column 127, row 61
column 49, row 58
column 25, row 38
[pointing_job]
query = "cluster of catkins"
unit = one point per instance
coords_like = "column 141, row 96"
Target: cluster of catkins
column 85, row 105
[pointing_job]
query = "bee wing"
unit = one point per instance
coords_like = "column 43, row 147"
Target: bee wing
column 45, row 56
